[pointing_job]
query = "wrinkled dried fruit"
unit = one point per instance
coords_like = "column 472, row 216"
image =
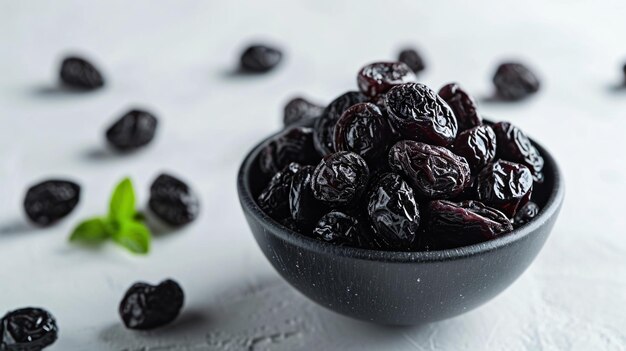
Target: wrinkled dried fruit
column 51, row 200
column 79, row 73
column 514, row 81
column 413, row 59
column 418, row 113
column 505, row 186
column 27, row 329
column 173, row 201
column 525, row 214
column 363, row 129
column 515, row 146
column 304, row 207
column 377, row 78
column 393, row 211
column 292, row 145
column 466, row 223
column 324, row 130
column 260, row 58
column 338, row 228
column 463, row 106
column 434, row 172
column 298, row 110
column 146, row 306
column 340, row 178
column 133, row 130
column 274, row 199
column 477, row 146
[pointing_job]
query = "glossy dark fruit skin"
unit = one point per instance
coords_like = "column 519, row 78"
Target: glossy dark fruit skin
column 378, row 77
column 364, row 130
column 338, row 228
column 465, row 223
column 324, row 129
column 146, row 306
column 433, row 171
column 413, row 59
column 49, row 201
column 515, row 146
column 505, row 186
column 515, row 81
column 525, row 214
column 173, row 201
column 260, row 58
column 274, row 199
column 133, row 130
column 340, row 178
column 295, row 144
column 79, row 73
column 27, row 329
column 393, row 212
column 463, row 106
column 419, row 114
column 299, row 109
column 304, row 208
column 477, row 145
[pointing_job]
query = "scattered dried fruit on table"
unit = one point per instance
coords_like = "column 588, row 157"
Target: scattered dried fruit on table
column 133, row 130
column 260, row 58
column 76, row 72
column 173, row 201
column 49, row 201
column 413, row 59
column 299, row 110
column 27, row 329
column 515, row 81
column 146, row 306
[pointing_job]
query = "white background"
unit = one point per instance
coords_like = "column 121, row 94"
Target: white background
column 176, row 58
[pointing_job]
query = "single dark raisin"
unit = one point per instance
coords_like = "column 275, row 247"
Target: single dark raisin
column 459, row 224
column 133, row 130
column 304, row 207
column 260, row 58
column 377, row 78
column 420, row 114
column 173, row 201
column 338, row 228
column 324, row 131
column 463, row 106
column 364, row 130
column 51, row 200
column 340, row 178
column 413, row 59
column 79, row 73
column 27, row 329
column 514, row 81
column 525, row 214
column 515, row 146
column 274, row 199
column 298, row 110
column 146, row 306
column 505, row 186
column 434, row 172
column 393, row 211
column 292, row 145
column 477, row 146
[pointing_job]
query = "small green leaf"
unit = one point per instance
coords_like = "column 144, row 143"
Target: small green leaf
column 122, row 206
column 92, row 231
column 134, row 236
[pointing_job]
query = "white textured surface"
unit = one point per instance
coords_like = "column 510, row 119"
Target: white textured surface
column 175, row 57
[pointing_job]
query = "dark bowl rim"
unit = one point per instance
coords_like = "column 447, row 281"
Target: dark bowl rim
column 249, row 205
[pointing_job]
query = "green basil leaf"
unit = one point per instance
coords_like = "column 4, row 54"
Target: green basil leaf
column 122, row 206
column 92, row 231
column 134, row 236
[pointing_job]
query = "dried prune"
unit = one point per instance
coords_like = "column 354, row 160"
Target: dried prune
column 133, row 130
column 363, row 129
column 338, row 228
column 393, row 211
column 505, row 186
column 515, row 146
column 260, row 58
column 305, row 209
column 146, row 306
column 27, row 329
column 340, row 178
column 292, row 145
column 377, row 78
column 274, row 199
column 515, row 81
column 434, row 172
column 457, row 224
column 324, row 130
column 51, row 200
column 477, row 146
column 420, row 114
column 173, row 201
column 463, row 106
column 299, row 109
column 413, row 59
column 77, row 72
column 525, row 214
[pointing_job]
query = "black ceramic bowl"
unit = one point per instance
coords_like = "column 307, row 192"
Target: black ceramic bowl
column 401, row 288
